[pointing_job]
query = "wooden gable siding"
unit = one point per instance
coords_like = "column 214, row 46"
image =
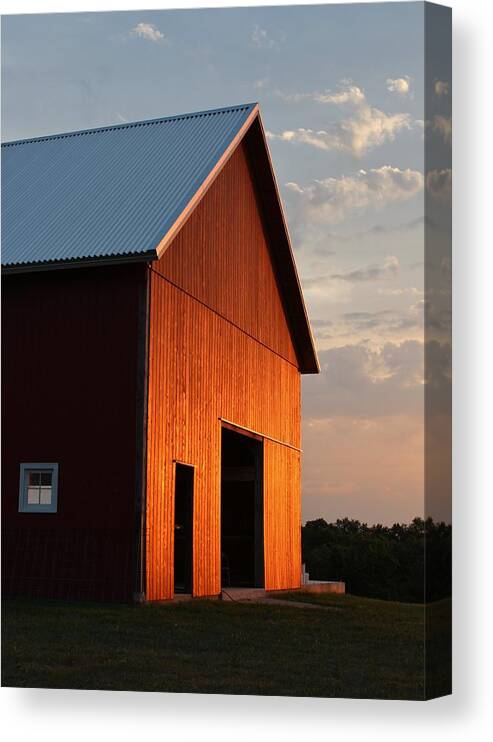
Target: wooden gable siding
column 221, row 257
column 205, row 364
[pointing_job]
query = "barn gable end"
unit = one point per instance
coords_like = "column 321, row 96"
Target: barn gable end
column 221, row 349
column 222, row 258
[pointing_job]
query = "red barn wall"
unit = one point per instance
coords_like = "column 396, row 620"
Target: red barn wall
column 220, row 347
column 70, row 353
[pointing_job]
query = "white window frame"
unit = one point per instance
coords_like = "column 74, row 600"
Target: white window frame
column 24, row 506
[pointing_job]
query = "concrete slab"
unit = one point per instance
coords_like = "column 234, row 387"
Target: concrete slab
column 257, row 593
column 243, row 593
column 332, row 586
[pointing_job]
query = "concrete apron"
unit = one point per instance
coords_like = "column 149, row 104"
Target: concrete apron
column 244, row 594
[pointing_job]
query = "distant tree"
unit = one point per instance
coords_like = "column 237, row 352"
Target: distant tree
column 381, row 561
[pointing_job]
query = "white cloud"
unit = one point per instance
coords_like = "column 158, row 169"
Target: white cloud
column 406, row 290
column 261, row 83
column 439, row 184
column 263, row 40
column 320, row 139
column 292, row 97
column 365, row 128
column 351, row 94
column 443, row 126
column 330, row 200
column 441, row 88
column 359, row 381
column 400, row 86
column 259, row 37
column 148, row 31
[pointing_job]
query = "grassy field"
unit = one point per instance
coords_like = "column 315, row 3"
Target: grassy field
column 355, row 647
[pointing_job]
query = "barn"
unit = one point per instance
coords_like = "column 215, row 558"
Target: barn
column 154, row 335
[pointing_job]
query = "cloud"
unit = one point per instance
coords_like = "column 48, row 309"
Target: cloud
column 443, row 126
column 441, row 88
column 388, row 269
column 446, row 267
column 377, row 230
column 360, row 382
column 364, row 128
column 351, row 94
column 400, row 86
column 261, row 83
column 261, row 38
column 403, row 291
column 330, row 200
column 391, row 322
column 364, row 425
column 321, row 323
column 386, row 322
column 148, row 31
column 438, row 320
column 363, row 321
column 371, row 327
column 292, row 97
column 439, row 372
column 381, row 229
column 439, row 184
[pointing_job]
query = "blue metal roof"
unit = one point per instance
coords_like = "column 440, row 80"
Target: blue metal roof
column 108, row 192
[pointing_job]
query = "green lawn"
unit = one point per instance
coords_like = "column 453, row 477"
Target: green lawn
column 356, row 648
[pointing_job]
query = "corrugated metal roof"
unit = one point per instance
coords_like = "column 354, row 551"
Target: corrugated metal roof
column 108, row 192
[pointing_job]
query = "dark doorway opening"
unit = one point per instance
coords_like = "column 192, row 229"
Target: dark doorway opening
column 242, row 510
column 183, row 528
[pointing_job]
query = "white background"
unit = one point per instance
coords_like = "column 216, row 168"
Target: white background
column 81, row 715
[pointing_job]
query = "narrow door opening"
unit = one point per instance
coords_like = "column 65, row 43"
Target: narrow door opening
column 184, row 529
column 242, row 511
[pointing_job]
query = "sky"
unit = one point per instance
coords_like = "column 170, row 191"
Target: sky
column 341, row 93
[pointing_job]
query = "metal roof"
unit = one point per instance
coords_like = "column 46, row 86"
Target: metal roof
column 112, row 192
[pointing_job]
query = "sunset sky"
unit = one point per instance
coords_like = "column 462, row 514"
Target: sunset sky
column 341, row 96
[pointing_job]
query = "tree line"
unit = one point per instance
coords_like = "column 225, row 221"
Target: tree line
column 407, row 562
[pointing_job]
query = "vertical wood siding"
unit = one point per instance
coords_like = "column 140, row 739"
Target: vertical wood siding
column 220, row 347
column 69, row 365
column 282, row 516
column 221, row 257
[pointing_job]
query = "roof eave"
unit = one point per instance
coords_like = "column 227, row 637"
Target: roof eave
column 90, row 262
column 304, row 340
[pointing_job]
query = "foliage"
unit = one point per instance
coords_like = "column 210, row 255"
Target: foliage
column 380, row 561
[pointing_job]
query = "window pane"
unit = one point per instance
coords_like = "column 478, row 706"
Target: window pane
column 45, row 477
column 33, row 495
column 34, row 478
column 45, row 497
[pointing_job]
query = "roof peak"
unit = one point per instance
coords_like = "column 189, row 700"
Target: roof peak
column 131, row 124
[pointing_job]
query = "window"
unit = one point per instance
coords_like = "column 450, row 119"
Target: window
column 38, row 488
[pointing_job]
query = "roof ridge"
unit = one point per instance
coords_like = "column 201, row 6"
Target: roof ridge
column 129, row 125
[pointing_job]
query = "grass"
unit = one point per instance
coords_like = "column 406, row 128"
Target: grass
column 359, row 648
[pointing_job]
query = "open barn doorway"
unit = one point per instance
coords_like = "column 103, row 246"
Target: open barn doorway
column 242, row 510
